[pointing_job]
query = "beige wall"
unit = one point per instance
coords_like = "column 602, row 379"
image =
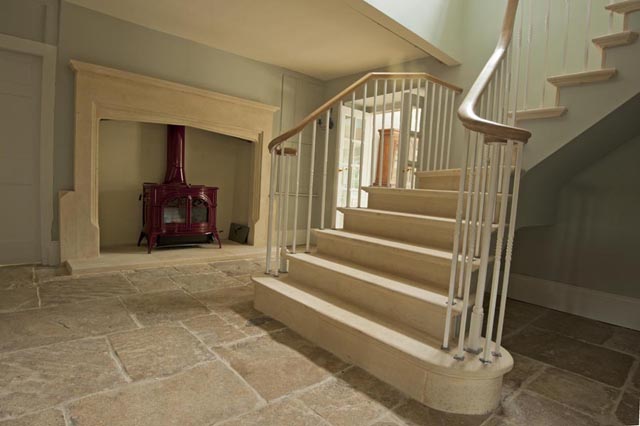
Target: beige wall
column 133, row 153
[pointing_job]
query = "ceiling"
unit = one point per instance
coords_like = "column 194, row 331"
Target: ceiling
column 325, row 39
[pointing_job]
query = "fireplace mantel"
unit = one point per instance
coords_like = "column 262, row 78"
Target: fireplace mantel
column 106, row 93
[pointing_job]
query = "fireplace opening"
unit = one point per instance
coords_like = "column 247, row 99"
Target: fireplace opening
column 174, row 160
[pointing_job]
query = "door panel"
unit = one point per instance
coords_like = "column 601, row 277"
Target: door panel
column 20, row 79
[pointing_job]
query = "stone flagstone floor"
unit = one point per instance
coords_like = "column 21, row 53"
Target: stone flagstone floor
column 183, row 346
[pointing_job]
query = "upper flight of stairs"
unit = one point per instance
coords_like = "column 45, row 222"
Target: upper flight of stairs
column 375, row 294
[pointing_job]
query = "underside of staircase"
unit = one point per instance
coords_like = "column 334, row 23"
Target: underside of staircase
column 375, row 294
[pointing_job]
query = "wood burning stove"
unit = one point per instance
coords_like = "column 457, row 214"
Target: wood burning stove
column 175, row 211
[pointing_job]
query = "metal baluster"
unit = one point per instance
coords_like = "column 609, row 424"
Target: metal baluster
column 324, row 169
column 373, row 133
column 295, row 203
column 507, row 261
column 314, row 129
column 444, row 127
column 382, row 136
column 285, row 237
column 272, row 185
column 423, row 125
column 565, row 49
column 456, row 243
column 453, row 98
column 431, row 126
column 527, row 69
column 400, row 168
column 437, row 144
column 498, row 256
column 351, row 134
column 280, row 207
column 391, row 135
column 362, row 137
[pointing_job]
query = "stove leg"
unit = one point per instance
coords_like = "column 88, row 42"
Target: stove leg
column 217, row 237
column 151, row 242
column 141, row 237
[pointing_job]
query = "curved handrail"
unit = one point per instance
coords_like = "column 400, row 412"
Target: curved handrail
column 351, row 88
column 467, row 110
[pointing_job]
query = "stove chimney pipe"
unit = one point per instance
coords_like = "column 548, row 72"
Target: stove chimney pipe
column 175, row 155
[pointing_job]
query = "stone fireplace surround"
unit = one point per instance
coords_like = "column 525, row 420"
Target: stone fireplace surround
column 106, row 93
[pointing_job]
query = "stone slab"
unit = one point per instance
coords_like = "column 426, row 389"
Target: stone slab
column 43, row 418
column 83, row 289
column 280, row 363
column 200, row 396
column 158, row 351
column 25, row 329
column 202, row 282
column 18, row 299
column 290, row 412
column 38, row 378
column 213, row 330
column 15, row 276
column 163, row 307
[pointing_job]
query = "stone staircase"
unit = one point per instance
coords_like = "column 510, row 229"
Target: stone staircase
column 375, row 294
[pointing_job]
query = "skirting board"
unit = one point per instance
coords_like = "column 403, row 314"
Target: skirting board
column 597, row 305
column 53, row 256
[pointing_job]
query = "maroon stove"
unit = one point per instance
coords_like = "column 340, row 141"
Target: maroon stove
column 174, row 211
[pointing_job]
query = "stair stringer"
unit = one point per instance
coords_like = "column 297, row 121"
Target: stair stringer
column 556, row 151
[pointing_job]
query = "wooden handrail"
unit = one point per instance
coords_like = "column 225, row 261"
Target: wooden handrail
column 348, row 90
column 467, row 110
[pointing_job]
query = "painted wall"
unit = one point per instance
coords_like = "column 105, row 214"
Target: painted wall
column 35, row 20
column 594, row 242
column 92, row 37
column 437, row 21
column 131, row 154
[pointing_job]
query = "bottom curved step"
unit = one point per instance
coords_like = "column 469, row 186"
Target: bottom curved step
column 419, row 368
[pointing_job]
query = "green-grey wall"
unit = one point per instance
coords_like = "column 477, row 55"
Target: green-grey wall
column 92, row 37
column 594, row 241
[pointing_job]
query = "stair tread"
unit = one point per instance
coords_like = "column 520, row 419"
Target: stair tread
column 398, row 245
column 414, row 192
column 413, row 216
column 540, row 113
column 424, row 349
column 621, row 38
column 626, row 6
column 432, row 294
column 582, row 77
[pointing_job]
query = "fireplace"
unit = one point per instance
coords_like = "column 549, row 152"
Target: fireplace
column 175, row 212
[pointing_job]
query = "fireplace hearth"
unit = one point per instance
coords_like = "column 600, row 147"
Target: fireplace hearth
column 174, row 212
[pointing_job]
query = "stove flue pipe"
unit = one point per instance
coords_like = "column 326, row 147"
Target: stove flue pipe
column 175, row 156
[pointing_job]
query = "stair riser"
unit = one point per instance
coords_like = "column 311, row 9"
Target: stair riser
column 441, row 392
column 421, row 268
column 428, row 233
column 445, row 183
column 409, row 311
column 440, row 206
column 430, row 206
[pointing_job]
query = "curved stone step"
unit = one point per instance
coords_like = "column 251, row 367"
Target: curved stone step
column 430, row 231
column 418, row 367
column 417, row 263
column 411, row 304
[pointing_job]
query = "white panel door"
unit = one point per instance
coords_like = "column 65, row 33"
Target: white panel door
column 20, row 80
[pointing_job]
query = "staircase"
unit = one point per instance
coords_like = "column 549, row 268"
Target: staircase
column 400, row 288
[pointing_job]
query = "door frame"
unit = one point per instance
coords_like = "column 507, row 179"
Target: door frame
column 49, row 250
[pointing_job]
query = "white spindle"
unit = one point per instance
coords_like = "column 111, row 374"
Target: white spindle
column 352, row 131
column 498, row 254
column 400, row 170
column 324, row 168
column 473, row 199
column 312, row 168
column 423, row 126
column 587, row 39
column 285, row 228
column 430, row 142
column 392, row 134
column 611, row 19
column 272, row 190
column 456, row 244
column 362, row 137
column 507, row 261
column 477, row 312
column 451, row 118
column 280, row 207
column 444, row 127
column 295, row 203
column 382, row 142
column 373, row 132
column 437, row 142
